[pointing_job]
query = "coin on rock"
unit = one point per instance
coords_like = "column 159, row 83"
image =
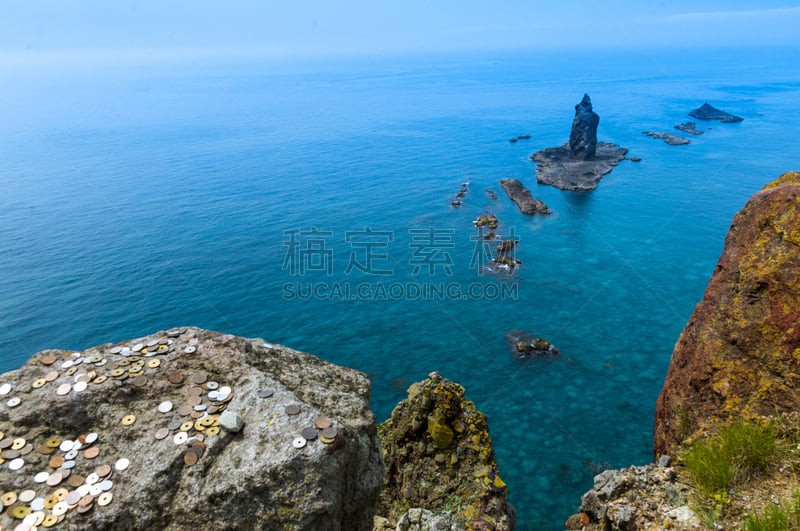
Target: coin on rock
column 18, row 443
column 49, row 520
column 322, row 422
column 104, row 499
column 26, row 496
column 127, row 420
column 91, row 453
column 190, row 458
column 165, row 407
column 60, row 508
column 292, row 409
column 8, row 498
column 38, row 383
column 299, row 442
column 122, row 464
column 161, row 433
column 309, row 434
column 20, row 511
column 14, row 402
column 64, row 389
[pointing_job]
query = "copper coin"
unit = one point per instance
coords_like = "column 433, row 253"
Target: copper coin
column 25, row 450
column 190, row 458
column 92, row 452
column 86, row 508
column 197, row 414
column 199, row 378
column 194, row 400
column 196, row 391
column 175, row 378
column 103, row 471
column 45, row 450
column 54, row 479
column 322, row 422
column 292, row 409
column 309, row 434
column 265, row 393
column 329, row 433
column 199, row 450
column 162, row 433
column 184, row 410
column 56, row 461
column 47, row 359
column 75, row 481
column 86, row 500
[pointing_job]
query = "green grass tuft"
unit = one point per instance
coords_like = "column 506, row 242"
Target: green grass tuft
column 776, row 518
column 731, row 456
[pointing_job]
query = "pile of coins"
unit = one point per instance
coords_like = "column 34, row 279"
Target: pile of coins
column 323, row 426
column 59, row 489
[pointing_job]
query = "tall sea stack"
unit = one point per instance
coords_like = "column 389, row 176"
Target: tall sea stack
column 583, row 137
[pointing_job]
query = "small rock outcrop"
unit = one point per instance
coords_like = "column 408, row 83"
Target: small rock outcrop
column 583, row 135
column 708, row 112
column 186, row 429
column 639, row 497
column 523, row 199
column 526, row 345
column 689, row 127
column 739, row 355
column 580, row 164
column 440, row 466
column 668, row 138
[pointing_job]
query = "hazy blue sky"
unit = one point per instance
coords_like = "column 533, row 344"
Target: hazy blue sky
column 315, row 27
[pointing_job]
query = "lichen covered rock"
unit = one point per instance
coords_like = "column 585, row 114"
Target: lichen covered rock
column 131, row 436
column 439, row 458
column 739, row 355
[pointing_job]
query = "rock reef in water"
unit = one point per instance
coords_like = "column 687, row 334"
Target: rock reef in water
column 556, row 167
column 668, row 138
column 193, row 429
column 579, row 165
column 525, row 345
column 440, row 466
column 523, row 199
column 738, row 355
column 689, row 127
column 583, row 136
column 708, row 112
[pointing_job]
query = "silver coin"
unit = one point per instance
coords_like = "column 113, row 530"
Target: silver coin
column 91, row 437
column 106, row 485
column 16, row 464
column 5, row 389
column 14, row 402
column 165, row 407
column 115, row 350
column 68, row 464
column 299, row 442
column 122, row 464
column 37, row 504
column 41, row 477
column 190, row 350
column 72, row 454
column 66, row 445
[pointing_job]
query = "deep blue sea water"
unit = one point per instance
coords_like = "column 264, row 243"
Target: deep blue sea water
column 138, row 197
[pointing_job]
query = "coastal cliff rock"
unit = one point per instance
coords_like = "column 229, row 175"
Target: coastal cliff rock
column 523, row 199
column 739, row 355
column 708, row 112
column 580, row 164
column 188, row 429
column 583, row 136
column 440, row 466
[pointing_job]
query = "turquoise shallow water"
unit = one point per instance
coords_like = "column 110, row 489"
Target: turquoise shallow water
column 140, row 197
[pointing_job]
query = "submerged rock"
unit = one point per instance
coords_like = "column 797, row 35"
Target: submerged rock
column 141, row 420
column 583, row 136
column 440, row 464
column 523, row 199
column 707, row 112
column 668, row 138
column 738, row 355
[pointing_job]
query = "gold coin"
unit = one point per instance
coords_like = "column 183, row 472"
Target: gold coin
column 18, row 443
column 206, row 421
column 51, row 501
column 123, row 363
column 117, row 372
column 198, row 426
column 53, row 442
column 38, row 383
column 20, row 511
column 127, row 420
column 186, row 426
column 104, row 499
column 49, row 520
column 72, row 370
column 8, row 498
column 153, row 363
column 61, row 494
column 100, row 379
column 213, row 430
column 45, row 450
column 2, row 435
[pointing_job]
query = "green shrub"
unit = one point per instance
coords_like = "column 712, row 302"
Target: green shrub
column 729, row 457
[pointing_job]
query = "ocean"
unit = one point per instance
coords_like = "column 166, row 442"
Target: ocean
column 309, row 203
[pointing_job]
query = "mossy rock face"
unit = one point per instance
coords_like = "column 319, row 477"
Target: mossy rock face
column 739, row 356
column 439, row 457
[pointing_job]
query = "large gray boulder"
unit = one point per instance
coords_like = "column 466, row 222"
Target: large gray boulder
column 297, row 448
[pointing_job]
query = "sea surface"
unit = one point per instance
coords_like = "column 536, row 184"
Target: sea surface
column 249, row 196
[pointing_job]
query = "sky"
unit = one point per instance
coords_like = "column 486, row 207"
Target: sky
column 346, row 27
